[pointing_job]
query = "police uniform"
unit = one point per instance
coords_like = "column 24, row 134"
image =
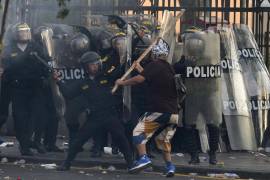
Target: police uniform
column 111, row 67
column 103, row 114
column 78, row 45
column 24, row 75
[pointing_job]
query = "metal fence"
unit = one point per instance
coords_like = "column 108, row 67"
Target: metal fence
column 205, row 13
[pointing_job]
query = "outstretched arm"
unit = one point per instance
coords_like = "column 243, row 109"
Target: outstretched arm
column 132, row 81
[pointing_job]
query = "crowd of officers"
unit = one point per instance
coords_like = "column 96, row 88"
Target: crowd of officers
column 26, row 83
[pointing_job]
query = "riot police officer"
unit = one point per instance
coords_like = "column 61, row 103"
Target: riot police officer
column 79, row 44
column 96, row 88
column 203, row 102
column 110, row 57
column 24, row 75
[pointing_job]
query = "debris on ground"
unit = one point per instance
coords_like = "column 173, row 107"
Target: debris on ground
column 89, row 174
column 49, row 166
column 4, row 160
column 231, row 175
column 193, row 174
column 108, row 150
column 97, row 168
column 111, row 168
column 224, row 176
column 7, row 144
column 180, row 154
column 231, row 157
column 22, row 161
column 220, row 163
column 81, row 172
column 104, row 172
column 203, row 159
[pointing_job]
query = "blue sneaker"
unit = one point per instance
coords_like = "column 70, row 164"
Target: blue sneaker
column 170, row 170
column 140, row 165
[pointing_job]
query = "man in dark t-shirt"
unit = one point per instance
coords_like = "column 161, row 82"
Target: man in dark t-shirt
column 161, row 107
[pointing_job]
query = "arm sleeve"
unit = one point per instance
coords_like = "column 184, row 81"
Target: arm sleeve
column 70, row 90
column 150, row 71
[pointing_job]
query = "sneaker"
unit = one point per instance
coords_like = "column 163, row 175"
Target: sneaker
column 170, row 170
column 140, row 165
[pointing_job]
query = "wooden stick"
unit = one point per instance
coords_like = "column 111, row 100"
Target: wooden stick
column 132, row 67
column 142, row 56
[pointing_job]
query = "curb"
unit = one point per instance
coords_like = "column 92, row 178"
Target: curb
column 185, row 169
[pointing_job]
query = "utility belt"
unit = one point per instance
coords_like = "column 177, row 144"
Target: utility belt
column 102, row 110
column 26, row 83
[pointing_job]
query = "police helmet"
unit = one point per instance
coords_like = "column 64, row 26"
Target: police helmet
column 22, row 33
column 104, row 40
column 90, row 57
column 190, row 30
column 38, row 32
column 79, row 44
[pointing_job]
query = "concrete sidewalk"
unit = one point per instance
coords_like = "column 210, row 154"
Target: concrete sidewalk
column 244, row 164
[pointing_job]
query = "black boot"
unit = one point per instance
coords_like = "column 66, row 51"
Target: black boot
column 212, row 158
column 213, row 131
column 53, row 148
column 194, row 158
column 65, row 166
column 26, row 151
column 96, row 154
column 39, row 147
column 115, row 150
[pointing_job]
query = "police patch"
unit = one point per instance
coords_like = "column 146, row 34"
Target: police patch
column 85, row 87
column 111, row 69
column 103, row 82
column 14, row 54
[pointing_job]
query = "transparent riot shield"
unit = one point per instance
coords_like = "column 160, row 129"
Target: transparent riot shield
column 127, row 89
column 256, row 78
column 203, row 81
column 236, row 110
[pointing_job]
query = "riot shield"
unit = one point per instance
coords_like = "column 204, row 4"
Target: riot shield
column 203, row 82
column 203, row 78
column 256, row 78
column 236, row 110
column 127, row 89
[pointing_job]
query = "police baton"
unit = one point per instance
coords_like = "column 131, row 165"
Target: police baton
column 43, row 61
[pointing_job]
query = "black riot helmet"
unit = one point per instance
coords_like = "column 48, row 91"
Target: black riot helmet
column 79, row 44
column 104, row 41
column 38, row 33
column 22, row 33
column 90, row 57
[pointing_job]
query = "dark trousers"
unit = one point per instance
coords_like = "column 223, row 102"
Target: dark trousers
column 45, row 118
column 24, row 103
column 103, row 120
column 192, row 138
column 5, row 98
column 74, row 108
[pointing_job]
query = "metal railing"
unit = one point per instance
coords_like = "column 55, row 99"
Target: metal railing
column 205, row 13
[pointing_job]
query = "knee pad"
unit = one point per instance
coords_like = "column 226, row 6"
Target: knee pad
column 138, row 139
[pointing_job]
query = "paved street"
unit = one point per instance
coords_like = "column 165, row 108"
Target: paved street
column 35, row 172
column 244, row 164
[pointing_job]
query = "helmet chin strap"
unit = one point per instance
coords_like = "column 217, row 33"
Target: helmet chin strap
column 22, row 46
